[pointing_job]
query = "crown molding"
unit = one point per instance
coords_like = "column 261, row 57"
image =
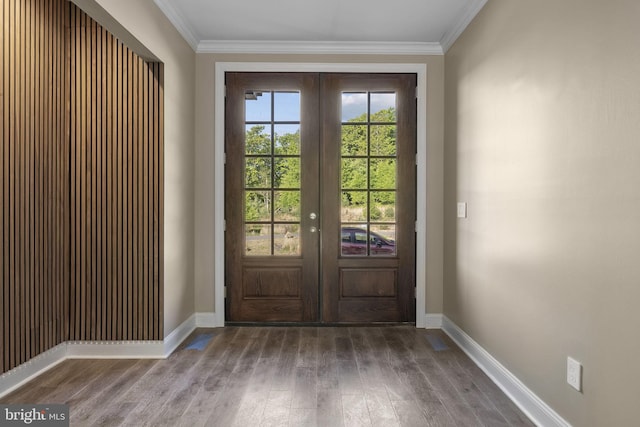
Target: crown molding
column 179, row 21
column 450, row 37
column 319, row 47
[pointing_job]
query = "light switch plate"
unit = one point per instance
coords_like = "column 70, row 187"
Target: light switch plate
column 462, row 209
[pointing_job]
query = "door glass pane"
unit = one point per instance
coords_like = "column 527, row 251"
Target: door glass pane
column 287, row 139
column 382, row 240
column 257, row 206
column 354, row 140
column 353, row 206
column 272, row 173
column 257, row 106
column 257, row 172
column 286, row 172
column 287, row 239
column 354, row 107
column 368, row 174
column 383, row 140
column 257, row 139
column 257, row 239
column 286, row 107
column 383, row 107
column 353, row 240
column 383, row 206
column 286, row 206
column 354, row 173
column 383, row 174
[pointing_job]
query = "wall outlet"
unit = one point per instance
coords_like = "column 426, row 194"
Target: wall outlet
column 462, row 210
column 574, row 373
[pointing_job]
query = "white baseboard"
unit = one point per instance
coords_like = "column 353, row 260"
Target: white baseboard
column 115, row 350
column 207, row 320
column 433, row 321
column 536, row 409
column 24, row 373
column 179, row 334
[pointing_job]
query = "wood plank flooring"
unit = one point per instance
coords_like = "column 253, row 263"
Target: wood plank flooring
column 283, row 376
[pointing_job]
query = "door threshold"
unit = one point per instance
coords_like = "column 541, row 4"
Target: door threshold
column 320, row 324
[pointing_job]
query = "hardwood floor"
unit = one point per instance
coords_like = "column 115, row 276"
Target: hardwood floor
column 283, row 376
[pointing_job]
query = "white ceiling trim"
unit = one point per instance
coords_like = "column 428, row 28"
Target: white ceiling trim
column 293, row 47
column 180, row 22
column 450, row 37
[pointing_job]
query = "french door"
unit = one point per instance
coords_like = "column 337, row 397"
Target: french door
column 320, row 180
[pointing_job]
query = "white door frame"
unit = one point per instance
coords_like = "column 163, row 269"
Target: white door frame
column 421, row 198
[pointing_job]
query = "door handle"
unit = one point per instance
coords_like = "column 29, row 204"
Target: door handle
column 313, row 229
column 313, row 215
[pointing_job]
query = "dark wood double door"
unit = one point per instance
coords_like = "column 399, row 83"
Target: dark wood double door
column 320, row 181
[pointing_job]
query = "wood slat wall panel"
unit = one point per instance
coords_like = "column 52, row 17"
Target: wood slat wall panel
column 81, row 183
column 118, row 163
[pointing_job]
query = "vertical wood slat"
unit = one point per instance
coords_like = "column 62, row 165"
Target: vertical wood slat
column 129, row 190
column 103, row 211
column 28, row 181
column 126, row 199
column 160, row 186
column 145, row 200
column 7, row 205
column 85, row 175
column 64, row 132
column 10, row 57
column 38, row 193
column 20, row 190
column 37, row 206
column 119, row 187
column 49, row 336
column 3, row 201
column 74, row 326
column 81, row 183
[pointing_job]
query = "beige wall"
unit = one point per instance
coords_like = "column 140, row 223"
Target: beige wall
column 205, row 204
column 152, row 29
column 542, row 139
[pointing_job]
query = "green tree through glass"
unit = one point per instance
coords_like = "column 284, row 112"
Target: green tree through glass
column 357, row 172
column 377, row 173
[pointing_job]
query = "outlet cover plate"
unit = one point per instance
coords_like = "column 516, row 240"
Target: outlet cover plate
column 574, row 373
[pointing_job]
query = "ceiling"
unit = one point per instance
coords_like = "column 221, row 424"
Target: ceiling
column 325, row 26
